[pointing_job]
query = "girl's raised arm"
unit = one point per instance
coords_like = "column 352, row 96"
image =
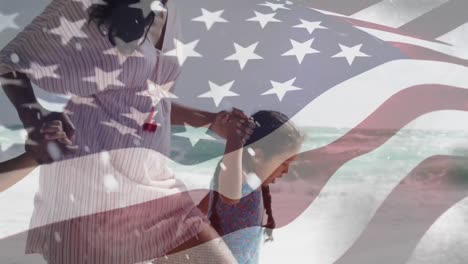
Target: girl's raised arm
column 238, row 129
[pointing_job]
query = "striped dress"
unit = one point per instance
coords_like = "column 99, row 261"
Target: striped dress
column 115, row 201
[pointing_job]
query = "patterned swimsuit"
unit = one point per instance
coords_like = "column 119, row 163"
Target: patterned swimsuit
column 246, row 217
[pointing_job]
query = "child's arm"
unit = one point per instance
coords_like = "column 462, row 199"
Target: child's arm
column 231, row 173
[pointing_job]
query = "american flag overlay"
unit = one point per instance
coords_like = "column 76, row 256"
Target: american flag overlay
column 377, row 89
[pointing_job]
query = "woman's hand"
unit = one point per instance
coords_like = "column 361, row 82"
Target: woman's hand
column 34, row 117
column 50, row 142
column 219, row 123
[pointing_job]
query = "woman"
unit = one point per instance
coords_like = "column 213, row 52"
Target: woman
column 115, row 200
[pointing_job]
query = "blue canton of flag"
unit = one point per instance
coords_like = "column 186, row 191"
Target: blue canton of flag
column 261, row 55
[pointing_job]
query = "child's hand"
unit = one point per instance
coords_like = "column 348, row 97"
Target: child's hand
column 53, row 143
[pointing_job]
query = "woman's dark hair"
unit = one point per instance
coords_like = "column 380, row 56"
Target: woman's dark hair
column 117, row 19
column 283, row 136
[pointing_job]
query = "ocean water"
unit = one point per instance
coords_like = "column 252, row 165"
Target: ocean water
column 405, row 148
column 342, row 209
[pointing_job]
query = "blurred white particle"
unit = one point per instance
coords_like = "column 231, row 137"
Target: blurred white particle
column 136, row 141
column 14, row 58
column 223, row 167
column 187, row 256
column 78, row 46
column 72, row 197
column 105, row 157
column 38, row 115
column 165, row 256
column 23, row 134
column 251, row 152
column 57, row 237
column 157, row 6
column 86, row 149
column 110, row 182
column 257, row 123
column 137, row 233
column 54, row 150
column 253, row 181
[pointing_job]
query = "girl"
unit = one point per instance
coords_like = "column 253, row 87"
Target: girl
column 240, row 203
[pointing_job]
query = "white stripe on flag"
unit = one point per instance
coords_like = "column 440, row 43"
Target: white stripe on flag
column 457, row 37
column 459, row 52
column 396, row 13
column 447, row 239
column 328, row 12
column 372, row 88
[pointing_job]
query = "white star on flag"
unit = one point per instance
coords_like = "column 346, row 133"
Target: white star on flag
column 274, row 6
column 147, row 6
column 158, row 92
column 157, row 6
column 263, row 19
column 310, row 26
column 8, row 21
column 138, row 116
column 69, row 30
column 280, row 89
column 209, row 18
column 195, row 134
column 110, row 78
column 243, row 55
column 122, row 57
column 350, row 53
column 123, row 130
column 183, row 51
column 39, row 71
column 218, row 92
column 300, row 49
